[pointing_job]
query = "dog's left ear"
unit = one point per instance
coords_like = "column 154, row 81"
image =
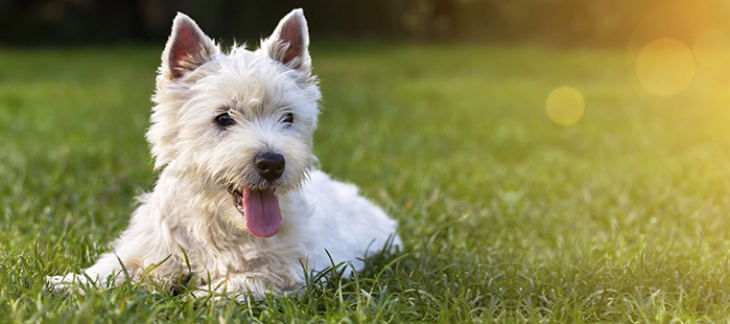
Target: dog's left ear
column 186, row 49
column 289, row 44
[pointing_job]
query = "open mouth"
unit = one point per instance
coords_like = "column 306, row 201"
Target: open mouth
column 260, row 209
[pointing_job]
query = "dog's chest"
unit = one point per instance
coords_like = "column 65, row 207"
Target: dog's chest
column 220, row 250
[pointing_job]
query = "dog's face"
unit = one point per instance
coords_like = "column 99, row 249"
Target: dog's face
column 241, row 121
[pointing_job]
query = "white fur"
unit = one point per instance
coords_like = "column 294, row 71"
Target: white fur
column 191, row 213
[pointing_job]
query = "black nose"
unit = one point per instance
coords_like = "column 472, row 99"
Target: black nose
column 270, row 165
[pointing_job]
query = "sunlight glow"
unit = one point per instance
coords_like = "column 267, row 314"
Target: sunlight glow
column 712, row 48
column 565, row 106
column 665, row 67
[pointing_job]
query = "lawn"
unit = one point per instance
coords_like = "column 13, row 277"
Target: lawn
column 505, row 215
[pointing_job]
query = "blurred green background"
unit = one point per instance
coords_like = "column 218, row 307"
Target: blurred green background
column 547, row 22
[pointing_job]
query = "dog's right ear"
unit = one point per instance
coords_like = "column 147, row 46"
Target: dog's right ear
column 186, row 49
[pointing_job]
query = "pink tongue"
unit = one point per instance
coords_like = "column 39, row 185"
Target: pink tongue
column 261, row 209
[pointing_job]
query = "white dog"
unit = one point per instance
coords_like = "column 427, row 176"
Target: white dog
column 238, row 203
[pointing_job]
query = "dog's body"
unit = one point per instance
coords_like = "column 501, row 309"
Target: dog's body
column 237, row 203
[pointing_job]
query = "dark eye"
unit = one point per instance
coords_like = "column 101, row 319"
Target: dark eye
column 225, row 120
column 288, row 118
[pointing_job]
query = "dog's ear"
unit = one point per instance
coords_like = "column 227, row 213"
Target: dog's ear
column 186, row 49
column 289, row 44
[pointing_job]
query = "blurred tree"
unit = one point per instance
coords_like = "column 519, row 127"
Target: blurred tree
column 553, row 22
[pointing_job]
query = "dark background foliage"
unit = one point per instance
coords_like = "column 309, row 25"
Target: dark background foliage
column 549, row 22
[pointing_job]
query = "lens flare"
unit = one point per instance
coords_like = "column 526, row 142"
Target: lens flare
column 565, row 106
column 712, row 48
column 665, row 67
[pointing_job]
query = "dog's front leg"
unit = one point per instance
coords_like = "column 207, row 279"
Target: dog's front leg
column 107, row 270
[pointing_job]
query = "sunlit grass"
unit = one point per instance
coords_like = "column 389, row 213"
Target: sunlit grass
column 505, row 215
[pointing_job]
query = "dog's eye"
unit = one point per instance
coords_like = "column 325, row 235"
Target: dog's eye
column 225, row 120
column 288, row 118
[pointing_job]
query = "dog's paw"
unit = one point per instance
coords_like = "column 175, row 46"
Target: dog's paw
column 69, row 282
column 221, row 296
column 204, row 296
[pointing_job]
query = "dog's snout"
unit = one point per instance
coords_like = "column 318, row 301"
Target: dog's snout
column 270, row 165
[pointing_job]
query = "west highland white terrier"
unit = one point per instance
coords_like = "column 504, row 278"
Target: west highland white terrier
column 238, row 205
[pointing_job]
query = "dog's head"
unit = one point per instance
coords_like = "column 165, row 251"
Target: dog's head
column 241, row 121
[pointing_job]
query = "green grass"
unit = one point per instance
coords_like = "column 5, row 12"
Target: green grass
column 505, row 216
